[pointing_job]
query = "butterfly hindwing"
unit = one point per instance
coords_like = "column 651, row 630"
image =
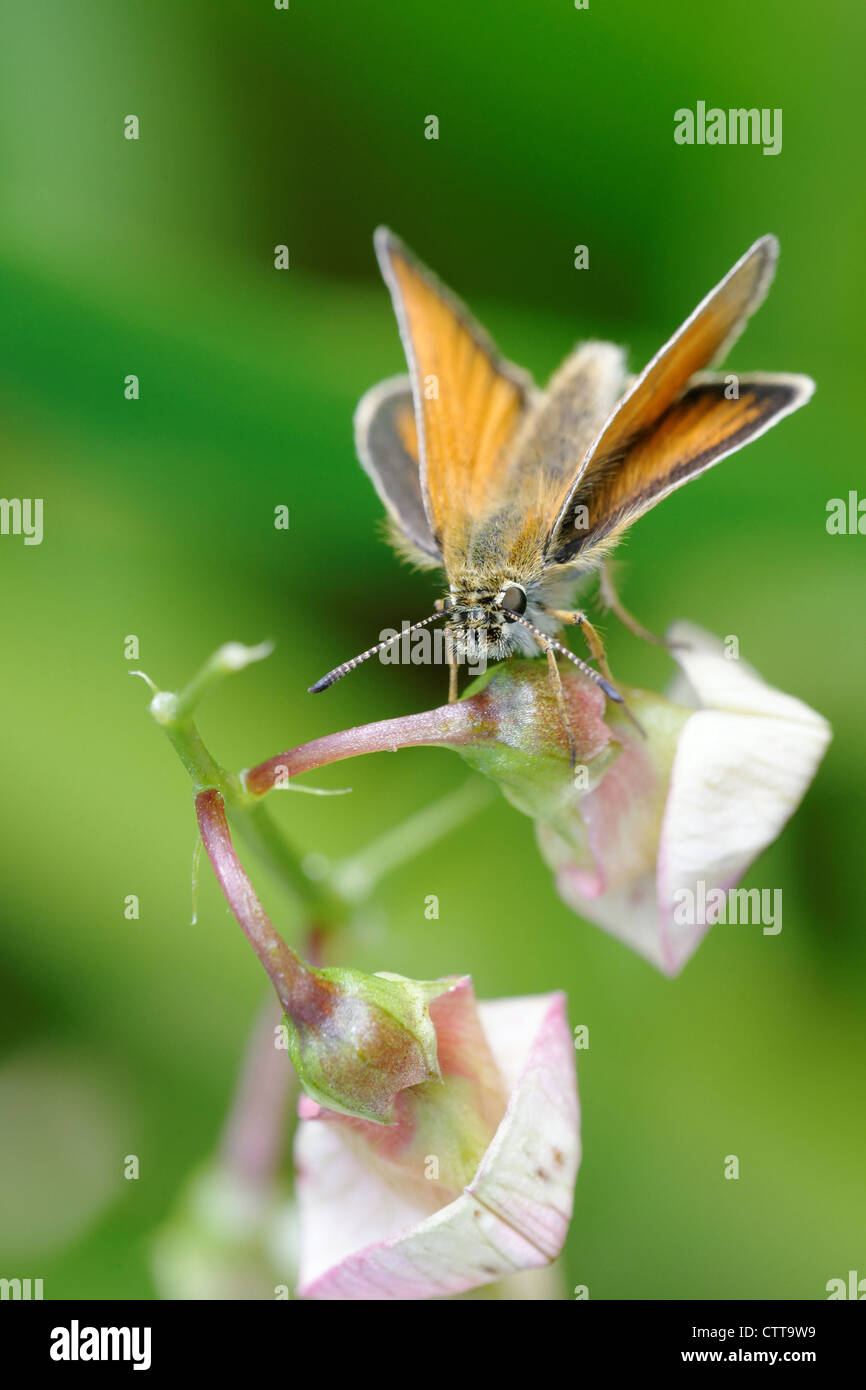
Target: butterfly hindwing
column 386, row 441
column 563, row 422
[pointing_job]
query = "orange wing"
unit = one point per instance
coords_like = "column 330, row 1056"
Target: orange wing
column 469, row 401
column 698, row 430
column 704, row 338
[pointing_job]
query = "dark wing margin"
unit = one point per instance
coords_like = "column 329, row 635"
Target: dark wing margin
column 704, row 426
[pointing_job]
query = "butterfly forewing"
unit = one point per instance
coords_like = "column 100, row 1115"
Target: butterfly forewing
column 705, row 425
column 703, row 339
column 469, row 402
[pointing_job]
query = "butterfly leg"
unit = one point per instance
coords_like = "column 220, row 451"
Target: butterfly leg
column 551, row 645
column 452, row 679
column 593, row 638
column 555, row 680
column 439, row 606
column 596, row 647
column 611, row 599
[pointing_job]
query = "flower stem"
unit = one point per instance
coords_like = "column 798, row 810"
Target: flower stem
column 325, row 903
column 174, row 713
column 462, row 722
column 355, row 878
column 280, row 962
column 300, row 990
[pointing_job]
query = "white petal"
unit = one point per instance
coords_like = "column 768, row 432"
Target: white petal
column 737, row 779
column 721, row 683
column 527, row 1174
column 343, row 1205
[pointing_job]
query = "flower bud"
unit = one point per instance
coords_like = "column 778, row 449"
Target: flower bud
column 357, row 1041
column 525, row 747
column 452, row 1117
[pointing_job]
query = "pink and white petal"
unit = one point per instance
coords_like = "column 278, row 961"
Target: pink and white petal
column 629, row 913
column 528, row 1173
column 623, row 814
column 622, row 820
column 513, row 1216
column 742, row 764
column 344, row 1205
column 511, row 1027
column 460, row 1247
column 720, row 683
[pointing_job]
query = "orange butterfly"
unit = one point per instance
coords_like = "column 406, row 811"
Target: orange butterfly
column 517, row 492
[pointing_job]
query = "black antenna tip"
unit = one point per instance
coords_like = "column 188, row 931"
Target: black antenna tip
column 320, row 685
column 610, row 692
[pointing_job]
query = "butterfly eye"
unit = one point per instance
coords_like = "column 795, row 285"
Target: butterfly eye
column 513, row 598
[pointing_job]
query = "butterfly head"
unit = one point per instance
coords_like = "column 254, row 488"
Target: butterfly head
column 481, row 612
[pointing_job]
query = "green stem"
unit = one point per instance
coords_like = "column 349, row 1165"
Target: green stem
column 325, row 904
column 247, row 811
column 203, row 768
column 356, row 877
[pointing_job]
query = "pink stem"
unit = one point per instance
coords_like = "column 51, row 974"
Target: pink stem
column 463, row 722
column 283, row 966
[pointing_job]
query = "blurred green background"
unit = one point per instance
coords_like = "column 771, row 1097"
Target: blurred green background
column 155, row 257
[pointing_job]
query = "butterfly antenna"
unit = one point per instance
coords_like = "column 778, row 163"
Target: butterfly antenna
column 340, row 671
column 544, row 642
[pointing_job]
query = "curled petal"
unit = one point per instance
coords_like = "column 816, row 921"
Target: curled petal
column 365, row 1238
column 741, row 764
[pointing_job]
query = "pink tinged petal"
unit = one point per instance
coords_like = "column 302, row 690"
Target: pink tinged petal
column 362, row 1239
column 622, row 816
column 629, row 913
column 527, row 1175
column 720, row 683
column 464, row 1047
column 620, row 820
column 742, row 764
column 460, row 1247
column 345, row 1208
